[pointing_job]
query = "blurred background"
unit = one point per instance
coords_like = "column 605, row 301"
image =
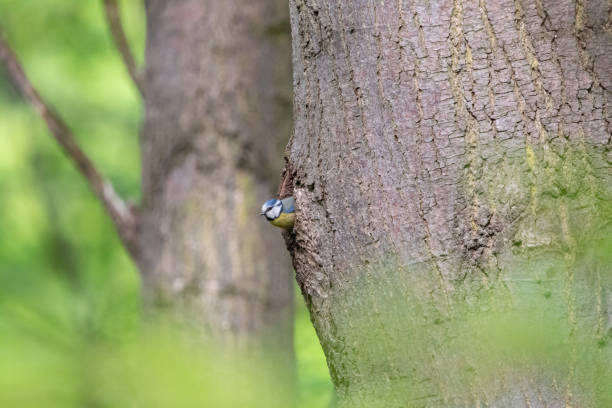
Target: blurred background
column 70, row 326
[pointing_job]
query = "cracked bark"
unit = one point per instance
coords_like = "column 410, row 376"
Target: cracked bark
column 216, row 95
column 434, row 134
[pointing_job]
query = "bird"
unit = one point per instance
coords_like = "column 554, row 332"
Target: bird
column 280, row 213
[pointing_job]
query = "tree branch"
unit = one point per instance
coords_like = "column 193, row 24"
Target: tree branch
column 120, row 213
column 114, row 22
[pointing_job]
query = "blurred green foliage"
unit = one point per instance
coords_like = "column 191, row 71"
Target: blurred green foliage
column 70, row 330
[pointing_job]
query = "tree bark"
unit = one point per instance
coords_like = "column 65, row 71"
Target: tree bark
column 463, row 145
column 217, row 98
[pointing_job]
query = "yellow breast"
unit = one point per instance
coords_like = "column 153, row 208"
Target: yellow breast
column 285, row 220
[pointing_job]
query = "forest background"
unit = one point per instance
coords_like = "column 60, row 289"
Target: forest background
column 70, row 309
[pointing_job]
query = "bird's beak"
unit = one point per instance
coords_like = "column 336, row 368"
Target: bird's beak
column 262, row 213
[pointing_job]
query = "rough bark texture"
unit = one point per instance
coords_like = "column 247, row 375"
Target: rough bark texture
column 440, row 134
column 217, row 109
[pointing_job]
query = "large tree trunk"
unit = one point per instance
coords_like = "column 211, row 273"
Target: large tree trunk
column 445, row 151
column 217, row 113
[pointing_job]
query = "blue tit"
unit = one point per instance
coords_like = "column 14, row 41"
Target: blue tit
column 280, row 213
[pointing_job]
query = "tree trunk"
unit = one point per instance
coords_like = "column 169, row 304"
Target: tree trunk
column 217, row 98
column 446, row 156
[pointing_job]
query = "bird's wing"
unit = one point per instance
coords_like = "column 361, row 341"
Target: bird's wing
column 288, row 205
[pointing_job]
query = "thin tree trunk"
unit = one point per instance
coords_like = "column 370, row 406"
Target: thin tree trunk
column 462, row 145
column 217, row 101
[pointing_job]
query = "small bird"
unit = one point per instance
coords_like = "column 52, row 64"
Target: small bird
column 280, row 213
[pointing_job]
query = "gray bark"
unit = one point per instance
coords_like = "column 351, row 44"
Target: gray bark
column 464, row 145
column 217, row 98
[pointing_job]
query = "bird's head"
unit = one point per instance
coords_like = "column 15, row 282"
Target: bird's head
column 272, row 209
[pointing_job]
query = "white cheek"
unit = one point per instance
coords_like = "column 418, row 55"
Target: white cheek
column 274, row 213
